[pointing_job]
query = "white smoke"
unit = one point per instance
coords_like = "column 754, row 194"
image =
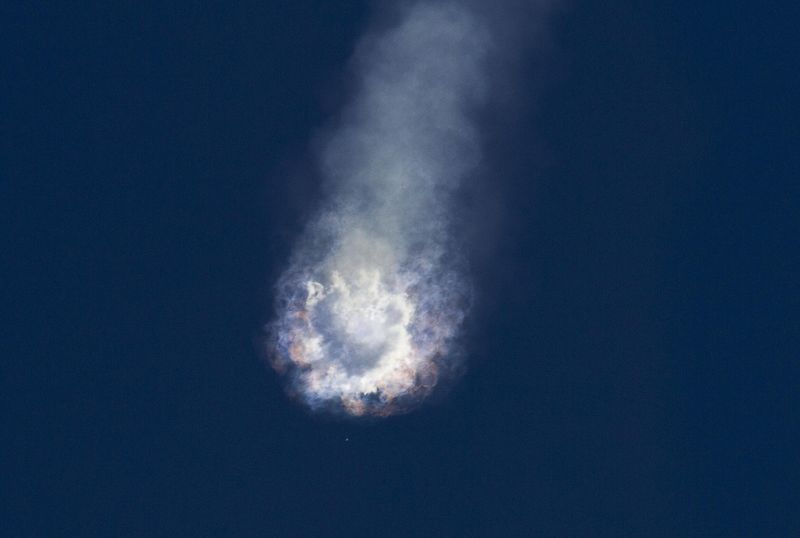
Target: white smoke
column 372, row 301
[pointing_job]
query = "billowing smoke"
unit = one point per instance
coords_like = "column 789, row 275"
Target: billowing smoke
column 370, row 306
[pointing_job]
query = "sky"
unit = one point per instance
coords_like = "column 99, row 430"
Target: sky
column 629, row 355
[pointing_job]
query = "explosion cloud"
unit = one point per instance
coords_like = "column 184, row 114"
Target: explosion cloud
column 370, row 306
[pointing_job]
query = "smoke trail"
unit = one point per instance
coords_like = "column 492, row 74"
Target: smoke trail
column 370, row 306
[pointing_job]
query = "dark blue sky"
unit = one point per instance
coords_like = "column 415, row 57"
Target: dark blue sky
column 632, row 356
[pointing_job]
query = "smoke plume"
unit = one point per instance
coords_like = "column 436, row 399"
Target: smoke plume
column 370, row 306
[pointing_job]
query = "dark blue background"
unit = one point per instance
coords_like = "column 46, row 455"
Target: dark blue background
column 632, row 355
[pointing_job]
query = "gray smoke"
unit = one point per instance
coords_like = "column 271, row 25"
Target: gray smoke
column 371, row 304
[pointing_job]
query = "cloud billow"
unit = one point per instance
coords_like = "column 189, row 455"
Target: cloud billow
column 370, row 306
